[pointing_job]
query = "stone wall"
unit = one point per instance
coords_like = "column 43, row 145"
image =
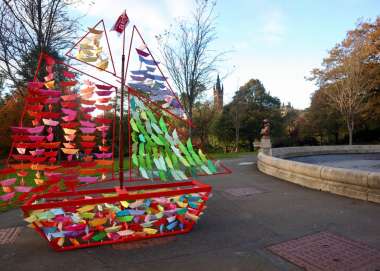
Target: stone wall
column 346, row 182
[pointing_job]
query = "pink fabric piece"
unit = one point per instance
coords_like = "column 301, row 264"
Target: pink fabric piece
column 50, row 122
column 50, row 92
column 23, row 189
column 87, row 124
column 70, row 137
column 103, row 155
column 69, row 118
column 52, row 100
column 50, row 137
column 62, row 219
column 49, row 174
column 49, row 77
column 88, row 179
column 88, row 109
column 19, row 130
column 87, row 130
column 35, row 130
column 69, row 112
column 21, row 150
column 36, row 138
column 37, row 152
column 102, row 128
column 35, row 84
column 8, row 182
column 76, row 227
column 7, row 196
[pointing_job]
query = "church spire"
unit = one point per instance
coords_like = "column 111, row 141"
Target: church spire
column 218, row 94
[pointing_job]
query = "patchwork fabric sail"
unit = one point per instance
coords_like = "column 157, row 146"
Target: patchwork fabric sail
column 59, row 147
column 149, row 81
column 93, row 49
column 157, row 150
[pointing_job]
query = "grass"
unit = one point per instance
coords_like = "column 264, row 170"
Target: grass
column 222, row 155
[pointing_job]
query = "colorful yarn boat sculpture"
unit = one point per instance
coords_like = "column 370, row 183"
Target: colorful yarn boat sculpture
column 71, row 144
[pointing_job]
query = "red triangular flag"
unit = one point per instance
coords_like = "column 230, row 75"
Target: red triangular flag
column 121, row 23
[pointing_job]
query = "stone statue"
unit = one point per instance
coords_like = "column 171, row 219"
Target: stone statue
column 265, row 131
column 265, row 143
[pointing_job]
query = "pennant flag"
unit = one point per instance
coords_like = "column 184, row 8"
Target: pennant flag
column 121, row 23
column 93, row 49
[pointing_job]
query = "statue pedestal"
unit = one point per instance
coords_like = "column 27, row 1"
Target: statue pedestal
column 266, row 146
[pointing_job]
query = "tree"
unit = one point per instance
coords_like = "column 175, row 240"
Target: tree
column 242, row 118
column 350, row 72
column 187, row 52
column 253, row 104
column 27, row 28
column 223, row 127
column 323, row 118
column 203, row 118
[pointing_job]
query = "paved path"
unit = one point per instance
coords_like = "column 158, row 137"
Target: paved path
column 232, row 235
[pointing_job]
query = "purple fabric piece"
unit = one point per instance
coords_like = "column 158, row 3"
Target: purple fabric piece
column 160, row 85
column 142, row 53
column 137, row 78
column 148, row 61
column 158, row 98
column 155, row 77
column 74, row 233
column 150, row 68
column 175, row 103
column 139, row 72
column 140, row 86
column 104, row 92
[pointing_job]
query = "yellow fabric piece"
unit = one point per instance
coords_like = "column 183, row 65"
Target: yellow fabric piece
column 150, row 231
column 94, row 31
column 97, row 221
column 124, row 203
column 103, row 64
column 50, row 84
column 86, row 208
column 69, row 131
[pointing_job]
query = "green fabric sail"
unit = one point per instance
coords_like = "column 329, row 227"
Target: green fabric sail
column 158, row 151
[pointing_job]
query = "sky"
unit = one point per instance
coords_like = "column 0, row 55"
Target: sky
column 276, row 41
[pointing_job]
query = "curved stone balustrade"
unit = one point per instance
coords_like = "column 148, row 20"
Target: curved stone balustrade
column 358, row 184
